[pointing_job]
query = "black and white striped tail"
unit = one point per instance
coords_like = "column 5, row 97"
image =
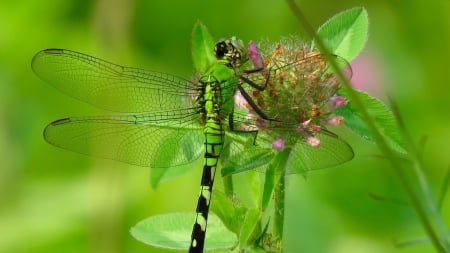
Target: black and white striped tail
column 213, row 148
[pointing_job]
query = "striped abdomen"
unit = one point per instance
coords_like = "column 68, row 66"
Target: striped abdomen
column 211, row 98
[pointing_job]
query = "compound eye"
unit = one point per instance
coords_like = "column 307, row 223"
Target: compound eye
column 222, row 49
column 232, row 50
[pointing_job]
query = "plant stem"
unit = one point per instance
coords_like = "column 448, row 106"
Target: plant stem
column 279, row 198
column 444, row 188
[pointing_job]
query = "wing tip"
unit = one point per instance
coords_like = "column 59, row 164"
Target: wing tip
column 49, row 128
column 60, row 121
column 53, row 51
column 45, row 52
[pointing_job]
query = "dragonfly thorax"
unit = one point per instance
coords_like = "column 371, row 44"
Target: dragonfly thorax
column 210, row 99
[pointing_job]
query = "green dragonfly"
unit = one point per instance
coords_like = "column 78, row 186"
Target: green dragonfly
column 165, row 120
column 162, row 114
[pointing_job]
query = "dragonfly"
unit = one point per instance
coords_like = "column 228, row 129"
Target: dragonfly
column 163, row 120
column 168, row 113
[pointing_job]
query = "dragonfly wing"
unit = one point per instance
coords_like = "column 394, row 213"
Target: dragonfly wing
column 311, row 68
column 132, row 139
column 238, row 156
column 110, row 86
column 310, row 65
column 331, row 152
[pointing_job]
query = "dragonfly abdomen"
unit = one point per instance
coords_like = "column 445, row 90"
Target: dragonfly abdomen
column 214, row 133
column 204, row 199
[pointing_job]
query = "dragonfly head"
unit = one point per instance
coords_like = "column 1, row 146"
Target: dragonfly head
column 231, row 50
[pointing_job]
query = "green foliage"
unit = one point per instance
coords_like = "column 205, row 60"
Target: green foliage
column 250, row 223
column 345, row 34
column 202, row 45
column 240, row 219
column 383, row 117
column 169, row 231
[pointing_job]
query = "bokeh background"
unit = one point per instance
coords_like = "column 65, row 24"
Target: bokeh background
column 53, row 200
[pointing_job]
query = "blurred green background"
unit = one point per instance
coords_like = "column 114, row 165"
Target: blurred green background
column 53, row 200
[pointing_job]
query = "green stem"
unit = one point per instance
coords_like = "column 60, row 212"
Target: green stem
column 444, row 189
column 397, row 164
column 275, row 184
column 279, row 197
column 429, row 206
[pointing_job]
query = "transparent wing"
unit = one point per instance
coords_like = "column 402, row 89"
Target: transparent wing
column 134, row 139
column 110, row 86
column 310, row 65
column 239, row 156
column 313, row 64
column 303, row 157
column 245, row 155
column 332, row 151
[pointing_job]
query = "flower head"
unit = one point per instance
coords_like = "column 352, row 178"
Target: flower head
column 298, row 94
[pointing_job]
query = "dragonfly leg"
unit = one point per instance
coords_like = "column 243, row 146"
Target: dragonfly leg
column 252, row 104
column 251, row 71
column 232, row 128
column 253, row 84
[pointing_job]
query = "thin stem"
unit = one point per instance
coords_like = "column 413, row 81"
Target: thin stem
column 382, row 143
column 444, row 188
column 433, row 205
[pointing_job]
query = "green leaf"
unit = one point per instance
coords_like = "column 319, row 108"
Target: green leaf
column 172, row 231
column 270, row 178
column 383, row 117
column 159, row 175
column 238, row 218
column 202, row 48
column 189, row 149
column 249, row 224
column 230, row 212
column 255, row 250
column 346, row 33
column 254, row 183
